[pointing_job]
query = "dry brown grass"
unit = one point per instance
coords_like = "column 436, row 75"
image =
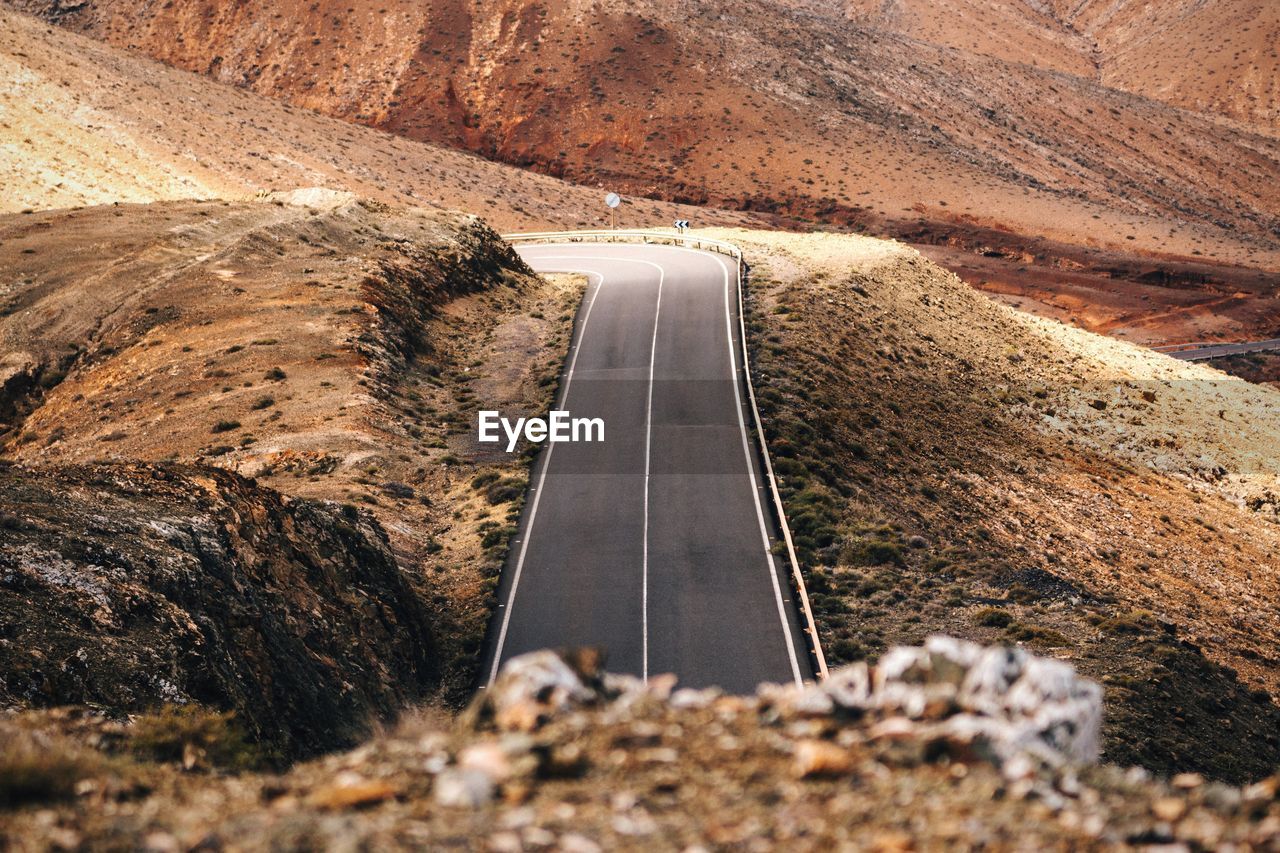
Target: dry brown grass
column 951, row 465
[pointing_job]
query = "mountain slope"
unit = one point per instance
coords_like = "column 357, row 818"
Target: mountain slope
column 812, row 115
column 1216, row 57
column 82, row 123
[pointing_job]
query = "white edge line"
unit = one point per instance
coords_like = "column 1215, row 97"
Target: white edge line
column 755, row 493
column 537, row 498
column 676, row 242
column 648, row 442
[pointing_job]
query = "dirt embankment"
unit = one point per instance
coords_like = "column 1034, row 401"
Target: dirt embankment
column 128, row 587
column 332, row 349
column 951, row 464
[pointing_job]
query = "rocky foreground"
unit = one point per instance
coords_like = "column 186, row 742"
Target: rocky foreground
column 948, row 745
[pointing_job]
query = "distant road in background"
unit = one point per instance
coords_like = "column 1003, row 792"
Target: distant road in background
column 1204, row 351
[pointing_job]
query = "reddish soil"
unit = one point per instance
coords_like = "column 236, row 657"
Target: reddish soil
column 1216, row 57
column 984, row 125
column 1148, row 299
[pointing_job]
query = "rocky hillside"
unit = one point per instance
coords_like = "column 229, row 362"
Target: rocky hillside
column 82, row 123
column 972, row 747
column 329, row 347
column 1209, row 57
column 953, row 465
column 127, row 587
column 813, row 115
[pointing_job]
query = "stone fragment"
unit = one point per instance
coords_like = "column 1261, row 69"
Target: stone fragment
column 820, row 758
column 350, row 790
column 488, row 758
column 1169, row 808
column 463, row 788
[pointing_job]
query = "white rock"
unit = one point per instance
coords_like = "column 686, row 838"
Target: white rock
column 463, row 788
column 850, row 686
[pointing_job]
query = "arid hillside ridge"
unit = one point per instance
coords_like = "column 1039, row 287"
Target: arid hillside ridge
column 245, row 526
column 1011, row 141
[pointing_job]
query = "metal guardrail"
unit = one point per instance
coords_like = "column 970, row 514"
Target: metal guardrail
column 693, row 241
column 1187, row 345
column 607, row 236
column 1206, row 350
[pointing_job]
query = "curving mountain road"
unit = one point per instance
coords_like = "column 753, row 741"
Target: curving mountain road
column 1204, row 352
column 655, row 543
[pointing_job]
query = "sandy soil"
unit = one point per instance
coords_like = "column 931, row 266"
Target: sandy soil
column 1014, row 477
column 83, row 124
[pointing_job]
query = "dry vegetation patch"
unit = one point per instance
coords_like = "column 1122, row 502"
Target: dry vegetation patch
column 951, row 464
column 328, row 347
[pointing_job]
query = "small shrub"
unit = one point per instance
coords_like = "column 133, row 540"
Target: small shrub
column 993, row 617
column 263, row 403
column 195, row 735
column 36, row 770
column 847, row 650
column 504, row 490
column 496, row 537
column 484, row 478
column 1036, row 634
column 1130, row 622
column 872, row 552
column 1022, row 593
column 225, row 426
column 275, row 374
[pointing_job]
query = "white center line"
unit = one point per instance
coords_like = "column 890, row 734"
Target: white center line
column 648, row 432
column 648, row 435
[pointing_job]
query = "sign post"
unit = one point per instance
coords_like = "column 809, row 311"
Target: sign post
column 613, row 200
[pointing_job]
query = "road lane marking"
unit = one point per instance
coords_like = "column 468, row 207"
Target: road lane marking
column 648, row 432
column 746, row 449
column 733, row 365
column 648, row 436
column 537, row 498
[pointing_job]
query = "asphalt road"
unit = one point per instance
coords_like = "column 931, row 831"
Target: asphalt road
column 1201, row 353
column 655, row 543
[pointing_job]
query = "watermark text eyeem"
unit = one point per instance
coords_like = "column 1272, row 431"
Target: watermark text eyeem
column 557, row 426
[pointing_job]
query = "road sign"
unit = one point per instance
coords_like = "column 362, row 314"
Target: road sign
column 681, row 225
column 613, row 199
